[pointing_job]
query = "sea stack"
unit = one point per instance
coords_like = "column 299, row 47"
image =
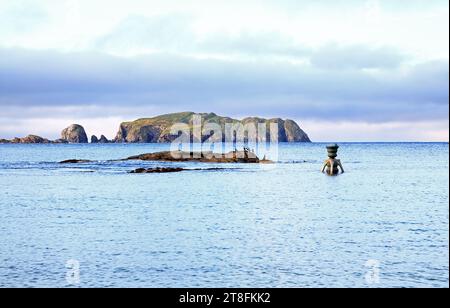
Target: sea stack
column 94, row 139
column 74, row 134
column 103, row 139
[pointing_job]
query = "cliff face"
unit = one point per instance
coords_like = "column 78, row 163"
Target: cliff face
column 157, row 129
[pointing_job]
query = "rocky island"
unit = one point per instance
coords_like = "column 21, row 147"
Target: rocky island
column 158, row 130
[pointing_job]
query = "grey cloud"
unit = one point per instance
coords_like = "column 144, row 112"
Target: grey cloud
column 172, row 83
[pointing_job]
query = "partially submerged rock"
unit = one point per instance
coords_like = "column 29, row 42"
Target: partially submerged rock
column 75, row 161
column 203, row 157
column 170, row 170
column 60, row 141
column 243, row 157
column 157, row 170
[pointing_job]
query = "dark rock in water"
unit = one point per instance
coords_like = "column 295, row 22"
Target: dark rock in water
column 158, row 129
column 157, row 170
column 171, row 170
column 74, row 134
column 103, row 139
column 244, row 157
column 34, row 139
column 30, row 139
column 60, row 141
column 94, row 139
column 4, row 141
column 74, row 161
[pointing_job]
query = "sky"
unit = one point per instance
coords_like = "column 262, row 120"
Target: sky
column 345, row 70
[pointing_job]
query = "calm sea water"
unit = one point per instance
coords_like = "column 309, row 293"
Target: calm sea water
column 287, row 225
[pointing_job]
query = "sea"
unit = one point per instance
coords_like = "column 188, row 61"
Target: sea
column 384, row 223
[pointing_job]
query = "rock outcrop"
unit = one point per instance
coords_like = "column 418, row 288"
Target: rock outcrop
column 30, row 139
column 172, row 170
column 94, row 139
column 60, row 141
column 242, row 157
column 75, row 161
column 74, row 134
column 158, row 129
column 102, row 139
column 157, row 170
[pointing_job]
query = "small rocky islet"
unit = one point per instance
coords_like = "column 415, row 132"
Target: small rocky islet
column 245, row 156
column 75, row 161
column 157, row 170
column 174, row 170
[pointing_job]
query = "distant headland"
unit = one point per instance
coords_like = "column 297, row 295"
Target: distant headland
column 158, row 130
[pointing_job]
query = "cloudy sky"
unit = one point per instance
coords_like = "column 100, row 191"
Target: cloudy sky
column 346, row 70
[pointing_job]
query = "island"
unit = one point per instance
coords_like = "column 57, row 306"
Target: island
column 158, row 130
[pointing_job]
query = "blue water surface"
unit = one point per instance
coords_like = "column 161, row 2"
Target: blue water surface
column 283, row 225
